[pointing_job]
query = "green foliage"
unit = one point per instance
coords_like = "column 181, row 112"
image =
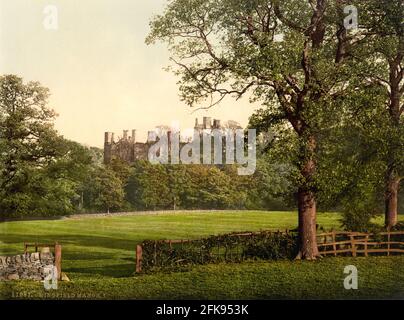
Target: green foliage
column 148, row 187
column 40, row 171
column 103, row 190
column 358, row 217
column 233, row 247
column 362, row 196
column 121, row 169
column 212, row 188
column 153, row 187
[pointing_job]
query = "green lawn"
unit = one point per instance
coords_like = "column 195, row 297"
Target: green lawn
column 99, row 254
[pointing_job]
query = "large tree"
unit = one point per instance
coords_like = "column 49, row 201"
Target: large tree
column 383, row 23
column 289, row 55
column 26, row 128
column 40, row 171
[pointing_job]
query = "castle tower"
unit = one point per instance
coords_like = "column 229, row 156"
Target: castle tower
column 134, row 136
column 108, row 143
column 125, row 135
column 207, row 123
column 217, row 124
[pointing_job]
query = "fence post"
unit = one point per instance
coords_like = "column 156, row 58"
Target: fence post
column 58, row 260
column 334, row 245
column 366, row 246
column 139, row 257
column 388, row 244
column 353, row 245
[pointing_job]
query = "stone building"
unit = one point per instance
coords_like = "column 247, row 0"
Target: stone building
column 125, row 148
column 129, row 150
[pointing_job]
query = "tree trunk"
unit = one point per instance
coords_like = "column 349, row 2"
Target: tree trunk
column 395, row 109
column 307, row 205
column 391, row 199
column 307, row 225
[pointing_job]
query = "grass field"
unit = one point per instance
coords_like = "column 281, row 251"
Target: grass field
column 99, row 254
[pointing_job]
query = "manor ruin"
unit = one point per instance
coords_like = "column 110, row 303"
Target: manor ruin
column 129, row 150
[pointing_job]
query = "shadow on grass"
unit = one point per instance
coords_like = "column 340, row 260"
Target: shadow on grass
column 32, row 219
column 123, row 270
column 76, row 240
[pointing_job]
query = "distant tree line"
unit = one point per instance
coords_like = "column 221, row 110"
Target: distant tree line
column 145, row 186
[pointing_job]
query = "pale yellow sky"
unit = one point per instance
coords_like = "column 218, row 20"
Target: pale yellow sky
column 102, row 75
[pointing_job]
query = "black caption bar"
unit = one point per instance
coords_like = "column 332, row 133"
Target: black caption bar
column 207, row 310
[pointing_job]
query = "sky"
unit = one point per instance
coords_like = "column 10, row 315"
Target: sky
column 101, row 74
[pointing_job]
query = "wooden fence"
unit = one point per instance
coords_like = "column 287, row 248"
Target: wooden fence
column 331, row 243
column 356, row 243
column 232, row 247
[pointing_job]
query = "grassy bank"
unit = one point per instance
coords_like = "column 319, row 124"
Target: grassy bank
column 379, row 277
column 99, row 254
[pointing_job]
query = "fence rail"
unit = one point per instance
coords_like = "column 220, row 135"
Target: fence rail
column 354, row 243
column 233, row 247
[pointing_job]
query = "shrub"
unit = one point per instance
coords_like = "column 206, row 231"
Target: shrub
column 233, row 247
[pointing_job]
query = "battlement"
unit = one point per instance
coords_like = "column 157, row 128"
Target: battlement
column 123, row 148
column 207, row 124
column 110, row 137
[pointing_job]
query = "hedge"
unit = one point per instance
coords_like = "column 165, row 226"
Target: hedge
column 173, row 255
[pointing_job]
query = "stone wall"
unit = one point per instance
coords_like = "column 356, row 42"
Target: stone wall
column 29, row 266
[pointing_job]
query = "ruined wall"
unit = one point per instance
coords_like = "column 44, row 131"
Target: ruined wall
column 28, row 266
column 141, row 151
column 127, row 149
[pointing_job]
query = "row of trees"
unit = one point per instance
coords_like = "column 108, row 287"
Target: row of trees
column 315, row 77
column 151, row 187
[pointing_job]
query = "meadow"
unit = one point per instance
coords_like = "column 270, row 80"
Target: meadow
column 99, row 259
